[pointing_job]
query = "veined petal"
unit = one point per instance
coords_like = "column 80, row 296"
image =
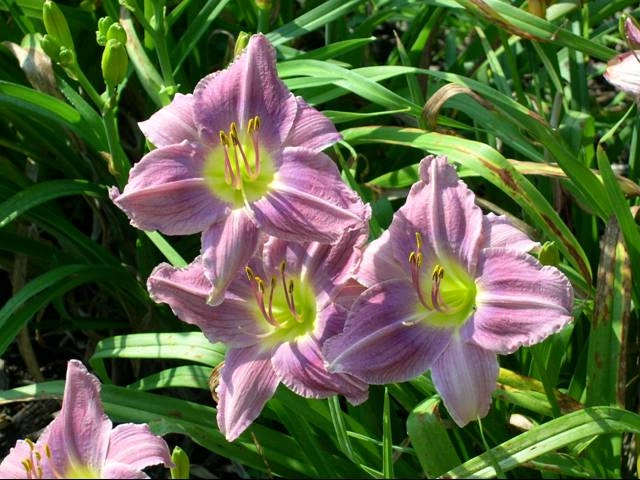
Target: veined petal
column 383, row 339
column 300, row 366
column 248, row 87
column 519, row 301
column 311, row 129
column 379, row 264
column 79, row 436
column 442, row 209
column 247, row 382
column 465, row 375
column 186, row 291
column 227, row 247
column 623, row 72
column 309, row 201
column 117, row 470
column 135, row 446
column 499, row 233
column 173, row 123
column 166, row 192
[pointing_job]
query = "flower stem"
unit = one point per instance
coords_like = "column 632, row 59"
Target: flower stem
column 86, row 85
column 119, row 164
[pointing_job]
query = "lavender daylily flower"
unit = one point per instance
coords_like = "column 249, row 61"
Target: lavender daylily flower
column 449, row 288
column 239, row 156
column 274, row 318
column 81, row 443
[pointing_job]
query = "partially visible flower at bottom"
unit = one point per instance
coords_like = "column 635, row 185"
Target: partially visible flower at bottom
column 81, row 443
column 449, row 288
column 274, row 318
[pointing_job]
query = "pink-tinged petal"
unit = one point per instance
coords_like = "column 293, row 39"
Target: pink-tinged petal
column 172, row 124
column 79, row 435
column 379, row 264
column 519, row 302
column 248, row 87
column 166, row 192
column 442, row 209
column 465, row 375
column 227, row 247
column 247, row 382
column 136, row 446
column 117, row 470
column 311, row 129
column 309, row 201
column 186, row 291
column 499, row 233
column 300, row 366
column 12, row 466
column 383, row 339
column 623, row 72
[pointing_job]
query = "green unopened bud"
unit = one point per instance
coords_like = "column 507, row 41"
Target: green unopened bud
column 241, row 43
column 114, row 63
column 181, row 462
column 549, row 254
column 51, row 46
column 56, row 25
column 116, row 32
column 67, row 57
column 103, row 27
column 264, row 4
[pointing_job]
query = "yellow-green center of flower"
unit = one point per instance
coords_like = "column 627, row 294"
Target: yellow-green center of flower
column 287, row 304
column 238, row 170
column 446, row 291
column 33, row 465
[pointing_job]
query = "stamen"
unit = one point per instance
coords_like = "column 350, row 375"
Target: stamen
column 47, row 451
column 287, row 296
column 293, row 304
column 256, row 147
column 415, row 261
column 249, row 273
column 229, row 177
column 273, row 287
column 436, row 294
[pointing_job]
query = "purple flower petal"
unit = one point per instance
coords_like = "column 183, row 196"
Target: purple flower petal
column 186, row 290
column 442, row 209
column 227, row 247
column 519, row 302
column 499, row 233
column 300, row 366
column 311, row 129
column 11, row 466
column 465, row 375
column 172, row 124
column 117, row 470
column 135, row 446
column 247, row 382
column 623, row 72
column 309, row 201
column 383, row 340
column 79, row 435
column 248, row 87
column 378, row 263
column 166, row 192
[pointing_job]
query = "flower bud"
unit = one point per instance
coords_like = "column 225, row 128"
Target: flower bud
column 549, row 254
column 103, row 26
column 241, row 43
column 56, row 24
column 116, row 32
column 51, row 46
column 632, row 31
column 67, row 57
column 264, row 4
column 114, row 63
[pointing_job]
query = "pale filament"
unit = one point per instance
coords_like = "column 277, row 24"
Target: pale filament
column 415, row 264
column 266, row 305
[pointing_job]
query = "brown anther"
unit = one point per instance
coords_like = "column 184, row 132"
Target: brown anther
column 249, row 272
column 256, row 123
column 224, row 139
